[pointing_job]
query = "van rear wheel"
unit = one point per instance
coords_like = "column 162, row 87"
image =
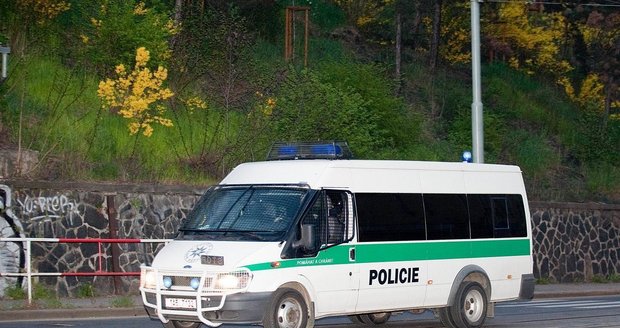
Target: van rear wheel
column 446, row 317
column 470, row 307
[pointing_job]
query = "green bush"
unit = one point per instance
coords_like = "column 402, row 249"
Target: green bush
column 42, row 292
column 15, row 293
column 460, row 135
column 122, row 302
column 85, row 291
column 603, row 178
column 532, row 153
column 309, row 109
column 397, row 129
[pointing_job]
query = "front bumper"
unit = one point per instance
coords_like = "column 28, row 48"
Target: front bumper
column 243, row 308
column 201, row 297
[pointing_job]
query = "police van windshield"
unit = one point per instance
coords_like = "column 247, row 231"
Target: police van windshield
column 261, row 213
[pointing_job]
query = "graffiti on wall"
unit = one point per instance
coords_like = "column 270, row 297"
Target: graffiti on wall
column 46, row 208
column 12, row 258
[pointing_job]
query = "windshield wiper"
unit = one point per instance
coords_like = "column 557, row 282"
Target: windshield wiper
column 245, row 233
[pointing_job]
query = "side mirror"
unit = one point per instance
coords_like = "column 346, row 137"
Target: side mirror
column 307, row 241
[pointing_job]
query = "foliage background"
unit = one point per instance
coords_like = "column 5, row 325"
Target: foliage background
column 550, row 86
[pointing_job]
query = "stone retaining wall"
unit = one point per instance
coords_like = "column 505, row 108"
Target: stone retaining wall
column 572, row 242
column 78, row 210
column 575, row 242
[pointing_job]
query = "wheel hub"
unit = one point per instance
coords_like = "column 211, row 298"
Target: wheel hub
column 289, row 314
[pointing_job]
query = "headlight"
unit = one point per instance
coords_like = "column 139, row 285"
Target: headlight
column 233, row 280
column 148, row 278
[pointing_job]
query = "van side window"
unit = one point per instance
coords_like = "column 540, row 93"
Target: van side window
column 516, row 216
column 496, row 216
column 500, row 213
column 480, row 215
column 390, row 217
column 337, row 213
column 314, row 218
column 329, row 217
column 446, row 216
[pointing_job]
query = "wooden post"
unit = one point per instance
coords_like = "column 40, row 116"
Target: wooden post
column 289, row 32
column 114, row 247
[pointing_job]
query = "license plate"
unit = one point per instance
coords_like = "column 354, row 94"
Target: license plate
column 180, row 303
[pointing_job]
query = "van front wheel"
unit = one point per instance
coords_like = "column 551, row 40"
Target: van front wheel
column 286, row 310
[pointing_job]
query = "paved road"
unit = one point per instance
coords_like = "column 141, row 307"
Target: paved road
column 589, row 312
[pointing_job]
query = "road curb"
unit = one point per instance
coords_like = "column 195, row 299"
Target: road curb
column 77, row 313
column 556, row 294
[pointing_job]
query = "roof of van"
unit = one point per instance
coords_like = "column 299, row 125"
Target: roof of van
column 369, row 174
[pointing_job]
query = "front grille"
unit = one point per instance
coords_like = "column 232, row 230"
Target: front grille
column 183, row 282
column 223, row 282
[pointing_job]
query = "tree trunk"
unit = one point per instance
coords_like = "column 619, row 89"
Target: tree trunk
column 436, row 34
column 415, row 25
column 178, row 11
column 608, row 91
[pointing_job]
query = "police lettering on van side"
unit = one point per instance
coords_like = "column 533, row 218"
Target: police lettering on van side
column 394, row 276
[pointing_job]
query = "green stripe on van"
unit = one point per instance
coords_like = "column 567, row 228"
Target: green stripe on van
column 396, row 252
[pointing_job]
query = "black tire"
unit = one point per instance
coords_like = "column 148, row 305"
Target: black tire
column 445, row 317
column 182, row 324
column 371, row 319
column 356, row 319
column 287, row 309
column 470, row 305
column 374, row 319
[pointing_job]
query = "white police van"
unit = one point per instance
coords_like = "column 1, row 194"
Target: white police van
column 284, row 242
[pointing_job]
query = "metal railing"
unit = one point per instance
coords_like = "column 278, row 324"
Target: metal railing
column 27, row 242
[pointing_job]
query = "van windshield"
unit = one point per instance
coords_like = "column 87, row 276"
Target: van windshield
column 262, row 213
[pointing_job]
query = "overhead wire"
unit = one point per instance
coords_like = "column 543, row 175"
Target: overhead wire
column 613, row 4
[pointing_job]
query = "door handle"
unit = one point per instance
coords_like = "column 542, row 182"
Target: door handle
column 352, row 254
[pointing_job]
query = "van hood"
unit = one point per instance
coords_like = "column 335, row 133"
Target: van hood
column 218, row 255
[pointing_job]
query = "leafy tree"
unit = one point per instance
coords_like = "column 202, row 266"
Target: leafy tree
column 527, row 40
column 19, row 19
column 455, row 34
column 603, row 38
column 111, row 30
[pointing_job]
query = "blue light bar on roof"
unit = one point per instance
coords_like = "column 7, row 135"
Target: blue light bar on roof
column 310, row 150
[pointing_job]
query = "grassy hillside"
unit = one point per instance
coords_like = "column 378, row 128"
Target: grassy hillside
column 53, row 109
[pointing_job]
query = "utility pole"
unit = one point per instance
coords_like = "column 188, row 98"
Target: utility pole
column 477, row 127
column 5, row 51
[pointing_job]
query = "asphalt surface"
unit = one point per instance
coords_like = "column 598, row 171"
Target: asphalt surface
column 112, row 306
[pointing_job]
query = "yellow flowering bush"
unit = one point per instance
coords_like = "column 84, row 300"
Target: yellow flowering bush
column 265, row 105
column 193, row 103
column 45, row 10
column 137, row 95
